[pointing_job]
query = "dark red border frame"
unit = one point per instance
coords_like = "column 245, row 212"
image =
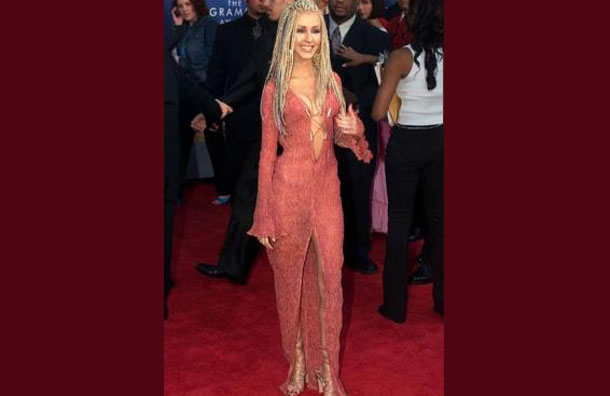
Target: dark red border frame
column 82, row 186
column 525, row 233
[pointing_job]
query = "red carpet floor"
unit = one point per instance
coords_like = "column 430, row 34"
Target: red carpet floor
column 223, row 339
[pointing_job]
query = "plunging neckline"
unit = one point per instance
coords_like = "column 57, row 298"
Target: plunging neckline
column 321, row 127
column 307, row 107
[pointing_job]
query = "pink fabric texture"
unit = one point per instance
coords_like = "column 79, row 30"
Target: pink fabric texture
column 299, row 198
column 379, row 201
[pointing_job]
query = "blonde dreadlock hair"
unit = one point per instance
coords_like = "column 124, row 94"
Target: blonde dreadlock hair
column 283, row 59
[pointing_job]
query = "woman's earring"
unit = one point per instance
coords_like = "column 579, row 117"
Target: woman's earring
column 316, row 59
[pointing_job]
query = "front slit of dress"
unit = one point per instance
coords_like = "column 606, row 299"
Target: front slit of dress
column 330, row 302
column 299, row 204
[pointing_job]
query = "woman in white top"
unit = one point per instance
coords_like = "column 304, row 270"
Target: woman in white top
column 414, row 156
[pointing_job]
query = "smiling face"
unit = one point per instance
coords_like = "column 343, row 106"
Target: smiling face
column 365, row 8
column 308, row 35
column 187, row 11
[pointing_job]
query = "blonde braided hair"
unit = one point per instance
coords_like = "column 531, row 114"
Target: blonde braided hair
column 282, row 61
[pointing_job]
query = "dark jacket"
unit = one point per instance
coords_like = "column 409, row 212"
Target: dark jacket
column 249, row 84
column 233, row 49
column 177, row 87
column 361, row 80
column 231, row 52
column 194, row 46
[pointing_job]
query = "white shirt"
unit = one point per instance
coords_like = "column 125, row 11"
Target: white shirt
column 420, row 106
column 343, row 28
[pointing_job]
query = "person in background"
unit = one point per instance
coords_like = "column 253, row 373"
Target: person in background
column 400, row 25
column 239, row 250
column 193, row 38
column 399, row 28
column 178, row 89
column 414, row 156
column 372, row 11
column 347, row 29
column 233, row 50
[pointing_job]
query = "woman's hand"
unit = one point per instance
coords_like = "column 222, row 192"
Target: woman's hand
column 348, row 122
column 177, row 17
column 266, row 242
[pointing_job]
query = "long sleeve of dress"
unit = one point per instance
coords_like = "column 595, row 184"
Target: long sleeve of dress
column 264, row 223
column 357, row 143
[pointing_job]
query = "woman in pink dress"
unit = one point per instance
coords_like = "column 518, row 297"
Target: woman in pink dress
column 298, row 215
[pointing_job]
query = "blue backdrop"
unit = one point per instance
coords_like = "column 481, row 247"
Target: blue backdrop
column 221, row 10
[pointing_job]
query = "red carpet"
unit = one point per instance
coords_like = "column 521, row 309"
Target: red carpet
column 223, row 339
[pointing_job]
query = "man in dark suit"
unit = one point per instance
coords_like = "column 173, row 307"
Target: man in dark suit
column 231, row 53
column 346, row 28
column 239, row 249
column 177, row 88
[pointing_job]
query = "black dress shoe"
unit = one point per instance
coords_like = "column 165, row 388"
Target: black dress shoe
column 392, row 317
column 213, row 271
column 422, row 275
column 367, row 267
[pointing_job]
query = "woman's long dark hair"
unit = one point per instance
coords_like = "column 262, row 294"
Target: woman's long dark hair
column 378, row 9
column 201, row 8
column 428, row 32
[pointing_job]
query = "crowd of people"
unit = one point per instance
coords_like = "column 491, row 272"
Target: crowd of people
column 291, row 99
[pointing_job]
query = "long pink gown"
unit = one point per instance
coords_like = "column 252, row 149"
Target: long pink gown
column 298, row 200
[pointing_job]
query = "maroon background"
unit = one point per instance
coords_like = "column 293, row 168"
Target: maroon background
column 526, row 199
column 83, row 169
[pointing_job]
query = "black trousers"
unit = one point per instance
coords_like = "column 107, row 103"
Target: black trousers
column 168, row 231
column 240, row 141
column 219, row 156
column 356, row 185
column 240, row 249
column 414, row 159
column 187, row 113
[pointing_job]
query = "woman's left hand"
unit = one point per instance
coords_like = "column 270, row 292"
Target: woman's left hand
column 348, row 122
column 266, row 242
